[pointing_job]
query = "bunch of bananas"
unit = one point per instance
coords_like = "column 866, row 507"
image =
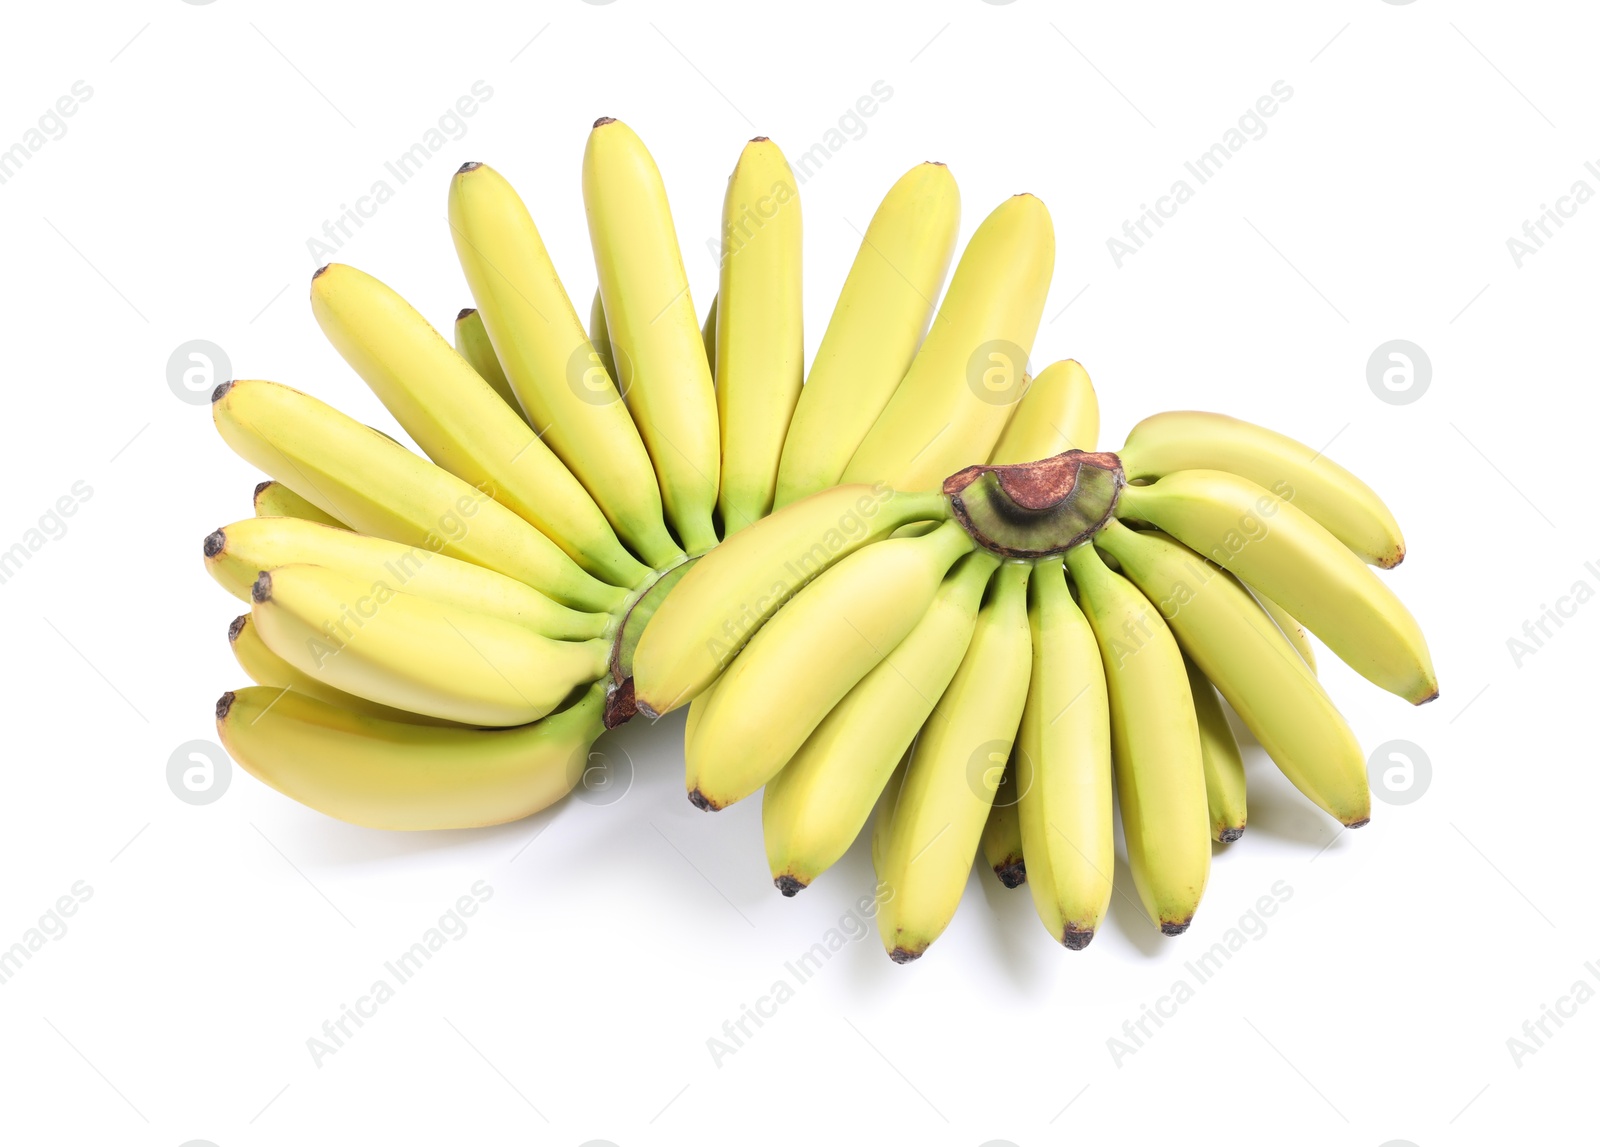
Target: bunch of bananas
column 909, row 583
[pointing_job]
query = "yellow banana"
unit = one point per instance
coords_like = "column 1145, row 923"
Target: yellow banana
column 814, row 650
column 1292, row 629
column 459, row 421
column 1002, row 834
column 816, row 805
column 236, row 554
column 388, row 774
column 410, row 653
column 472, row 344
column 1219, row 752
column 360, row 476
column 949, row 784
column 1059, row 411
column 760, row 349
column 1155, row 739
column 883, row 819
column 600, row 339
column 1342, row 503
column 1241, row 650
column 1063, row 766
column 562, row 377
column 275, row 500
column 708, row 336
column 1276, row 547
column 729, row 593
column 957, row 396
column 877, row 324
column 655, row 333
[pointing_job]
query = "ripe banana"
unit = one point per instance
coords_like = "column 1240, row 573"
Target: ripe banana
column 410, row 653
column 1002, row 834
column 459, row 421
column 1276, row 546
column 1292, row 629
column 1058, row 412
column 760, row 350
column 1342, row 503
column 1219, row 752
column 728, row 594
column 1063, row 766
column 958, row 394
column 360, row 476
column 814, row 650
column 388, row 774
column 816, row 805
column 878, row 322
column 949, row 784
column 600, row 339
column 236, row 554
column 655, row 332
column 472, row 344
column 708, row 336
column 883, row 818
column 561, row 376
column 275, row 500
column 1241, row 650
column 1155, row 739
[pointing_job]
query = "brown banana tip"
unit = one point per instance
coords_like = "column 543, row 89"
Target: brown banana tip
column 1012, row 875
column 470, row 165
column 1229, row 835
column 934, row 162
column 759, row 139
column 603, row 120
column 644, row 708
column 464, row 312
column 1434, row 696
column 788, row 885
column 260, row 486
column 702, row 802
column 236, row 627
column 317, row 274
column 1076, row 941
column 222, row 388
column 224, row 704
column 262, row 589
column 1171, row 928
column 216, row 541
column 1362, row 823
column 903, row 955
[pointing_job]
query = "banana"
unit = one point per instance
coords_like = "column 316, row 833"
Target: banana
column 1342, row 503
column 410, row 653
column 949, row 784
column 883, row 820
column 708, row 336
column 562, row 377
column 760, row 350
column 1155, row 739
column 814, row 650
column 267, row 668
column 1219, row 752
column 817, row 804
column 1002, row 834
column 1292, row 629
column 472, row 344
column 1275, row 546
column 236, row 554
column 729, row 593
column 1241, row 650
column 958, row 394
column 388, row 774
column 879, row 320
column 655, row 333
column 1058, row 412
column 1063, row 766
column 360, row 476
column 459, row 421
column 275, row 500
column 600, row 338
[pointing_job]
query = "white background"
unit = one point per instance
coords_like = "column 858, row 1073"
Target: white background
column 619, row 938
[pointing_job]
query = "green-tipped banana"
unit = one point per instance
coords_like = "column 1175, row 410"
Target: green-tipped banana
column 729, row 594
column 1276, row 547
column 275, row 500
column 360, row 476
column 949, row 784
column 877, row 324
column 1155, row 740
column 393, row 775
column 1063, row 766
column 236, row 554
column 760, row 347
column 1344, row 505
column 562, row 376
column 817, row 804
column 655, row 333
column 1058, row 412
column 1002, row 834
column 459, row 421
column 1219, row 751
column 1241, row 650
column 957, row 396
column 472, row 344
column 410, row 653
column 803, row 662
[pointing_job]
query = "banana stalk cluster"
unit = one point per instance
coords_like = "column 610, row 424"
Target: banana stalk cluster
column 909, row 583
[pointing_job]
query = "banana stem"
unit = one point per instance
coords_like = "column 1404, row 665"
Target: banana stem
column 1036, row 509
